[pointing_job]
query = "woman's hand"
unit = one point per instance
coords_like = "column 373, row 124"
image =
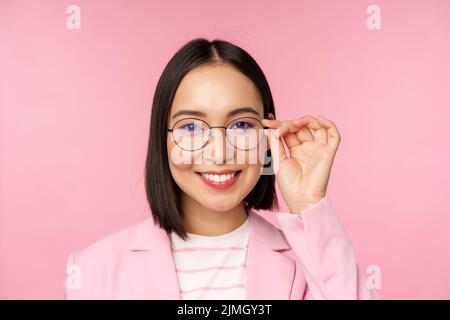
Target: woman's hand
column 302, row 174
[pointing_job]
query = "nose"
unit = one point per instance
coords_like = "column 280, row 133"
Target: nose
column 218, row 147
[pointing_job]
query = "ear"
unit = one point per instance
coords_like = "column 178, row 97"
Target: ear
column 271, row 116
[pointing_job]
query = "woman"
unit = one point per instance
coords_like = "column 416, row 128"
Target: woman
column 212, row 114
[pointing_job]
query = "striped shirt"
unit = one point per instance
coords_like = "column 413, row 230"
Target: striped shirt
column 212, row 267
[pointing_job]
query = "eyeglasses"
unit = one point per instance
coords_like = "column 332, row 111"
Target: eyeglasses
column 192, row 134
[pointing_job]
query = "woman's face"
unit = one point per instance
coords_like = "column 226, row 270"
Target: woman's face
column 214, row 94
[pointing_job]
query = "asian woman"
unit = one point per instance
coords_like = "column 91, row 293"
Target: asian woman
column 212, row 116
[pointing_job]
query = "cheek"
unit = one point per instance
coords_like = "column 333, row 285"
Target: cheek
column 179, row 159
column 249, row 179
column 253, row 173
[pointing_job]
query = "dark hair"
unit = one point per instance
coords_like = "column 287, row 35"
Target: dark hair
column 163, row 194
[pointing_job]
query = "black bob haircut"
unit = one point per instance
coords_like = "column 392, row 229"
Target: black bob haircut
column 163, row 194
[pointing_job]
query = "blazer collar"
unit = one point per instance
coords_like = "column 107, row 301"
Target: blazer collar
column 151, row 269
column 148, row 235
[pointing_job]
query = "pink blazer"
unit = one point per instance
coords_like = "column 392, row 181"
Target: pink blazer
column 311, row 257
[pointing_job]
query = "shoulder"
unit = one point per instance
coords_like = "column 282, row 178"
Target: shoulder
column 107, row 252
column 100, row 264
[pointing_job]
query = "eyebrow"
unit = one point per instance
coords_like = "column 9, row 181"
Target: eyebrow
column 202, row 114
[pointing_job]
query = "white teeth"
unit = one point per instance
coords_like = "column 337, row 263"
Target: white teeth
column 219, row 177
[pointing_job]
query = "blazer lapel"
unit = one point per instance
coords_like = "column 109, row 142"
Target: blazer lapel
column 151, row 269
column 152, row 275
column 270, row 274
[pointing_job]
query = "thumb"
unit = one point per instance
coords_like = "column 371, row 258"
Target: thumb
column 276, row 146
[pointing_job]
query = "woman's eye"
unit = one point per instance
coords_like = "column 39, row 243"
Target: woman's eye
column 191, row 127
column 242, row 125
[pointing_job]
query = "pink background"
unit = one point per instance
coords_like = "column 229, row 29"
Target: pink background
column 75, row 107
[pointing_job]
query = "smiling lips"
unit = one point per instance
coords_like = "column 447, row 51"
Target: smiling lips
column 219, row 179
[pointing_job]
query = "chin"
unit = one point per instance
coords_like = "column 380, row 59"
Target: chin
column 219, row 204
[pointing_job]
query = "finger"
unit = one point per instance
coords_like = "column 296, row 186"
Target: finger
column 305, row 135
column 334, row 137
column 288, row 132
column 272, row 123
column 277, row 149
column 306, row 128
column 319, row 132
column 285, row 127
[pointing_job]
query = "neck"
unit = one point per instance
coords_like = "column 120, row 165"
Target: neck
column 203, row 221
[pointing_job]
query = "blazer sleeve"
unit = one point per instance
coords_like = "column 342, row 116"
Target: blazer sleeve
column 319, row 241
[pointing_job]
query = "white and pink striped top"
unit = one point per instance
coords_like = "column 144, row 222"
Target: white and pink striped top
column 212, row 267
